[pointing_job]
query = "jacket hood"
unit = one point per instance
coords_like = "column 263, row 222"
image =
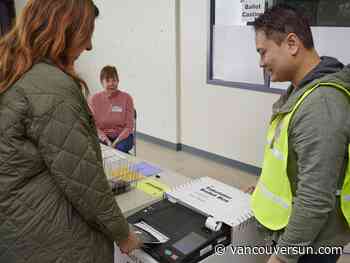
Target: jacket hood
column 327, row 70
column 342, row 76
column 328, row 65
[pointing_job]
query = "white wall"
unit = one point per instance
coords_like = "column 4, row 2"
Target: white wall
column 226, row 121
column 19, row 4
column 139, row 38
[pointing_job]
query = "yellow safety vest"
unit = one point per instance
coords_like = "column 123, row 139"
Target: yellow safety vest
column 272, row 198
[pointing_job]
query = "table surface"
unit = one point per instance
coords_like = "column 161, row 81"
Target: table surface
column 135, row 200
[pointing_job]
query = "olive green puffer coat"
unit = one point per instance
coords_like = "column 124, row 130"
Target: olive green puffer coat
column 55, row 202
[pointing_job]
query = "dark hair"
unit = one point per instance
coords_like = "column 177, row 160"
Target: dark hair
column 280, row 20
column 109, row 72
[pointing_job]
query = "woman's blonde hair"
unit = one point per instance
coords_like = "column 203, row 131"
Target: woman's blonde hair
column 46, row 29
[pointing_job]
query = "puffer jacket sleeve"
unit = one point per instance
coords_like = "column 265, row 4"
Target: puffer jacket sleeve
column 69, row 146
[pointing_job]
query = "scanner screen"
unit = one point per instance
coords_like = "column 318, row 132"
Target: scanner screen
column 189, row 243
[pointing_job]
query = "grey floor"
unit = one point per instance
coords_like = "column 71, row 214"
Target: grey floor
column 194, row 166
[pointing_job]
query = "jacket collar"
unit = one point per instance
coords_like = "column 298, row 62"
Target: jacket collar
column 321, row 72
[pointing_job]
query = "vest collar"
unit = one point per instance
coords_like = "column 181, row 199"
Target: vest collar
column 329, row 69
column 286, row 102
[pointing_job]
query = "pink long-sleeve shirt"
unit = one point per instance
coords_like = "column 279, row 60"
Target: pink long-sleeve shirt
column 113, row 114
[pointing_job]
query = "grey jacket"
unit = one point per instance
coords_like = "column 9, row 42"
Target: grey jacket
column 319, row 135
column 55, row 202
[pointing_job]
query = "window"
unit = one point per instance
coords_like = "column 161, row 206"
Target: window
column 7, row 14
column 323, row 12
column 232, row 57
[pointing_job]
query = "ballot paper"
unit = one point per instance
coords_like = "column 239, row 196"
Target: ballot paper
column 147, row 234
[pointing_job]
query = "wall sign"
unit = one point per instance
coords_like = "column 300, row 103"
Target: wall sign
column 251, row 9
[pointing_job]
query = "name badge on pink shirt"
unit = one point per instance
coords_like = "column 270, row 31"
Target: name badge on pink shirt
column 116, row 108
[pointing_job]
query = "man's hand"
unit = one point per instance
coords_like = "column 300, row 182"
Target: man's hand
column 274, row 259
column 249, row 190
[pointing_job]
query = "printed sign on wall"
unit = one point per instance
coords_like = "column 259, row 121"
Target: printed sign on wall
column 251, row 9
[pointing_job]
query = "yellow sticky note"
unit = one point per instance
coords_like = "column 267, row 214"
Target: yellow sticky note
column 152, row 187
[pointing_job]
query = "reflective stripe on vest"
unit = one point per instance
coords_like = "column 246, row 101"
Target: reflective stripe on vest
column 277, row 154
column 272, row 198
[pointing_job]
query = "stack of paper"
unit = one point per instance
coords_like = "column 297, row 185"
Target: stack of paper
column 212, row 198
column 146, row 169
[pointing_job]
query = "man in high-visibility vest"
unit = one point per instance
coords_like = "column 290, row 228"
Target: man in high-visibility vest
column 303, row 194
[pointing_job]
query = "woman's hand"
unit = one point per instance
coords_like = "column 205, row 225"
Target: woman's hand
column 108, row 142
column 114, row 144
column 129, row 244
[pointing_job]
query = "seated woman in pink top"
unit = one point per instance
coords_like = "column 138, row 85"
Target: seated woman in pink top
column 113, row 112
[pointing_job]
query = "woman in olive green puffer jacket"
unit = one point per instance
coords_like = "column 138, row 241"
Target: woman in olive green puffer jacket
column 55, row 202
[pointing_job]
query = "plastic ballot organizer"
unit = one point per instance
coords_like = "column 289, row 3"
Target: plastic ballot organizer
column 189, row 224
